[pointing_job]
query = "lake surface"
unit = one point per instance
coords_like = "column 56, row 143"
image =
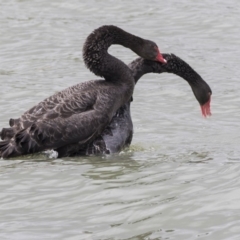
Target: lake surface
column 180, row 179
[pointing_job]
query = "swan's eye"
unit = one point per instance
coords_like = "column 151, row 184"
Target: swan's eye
column 152, row 45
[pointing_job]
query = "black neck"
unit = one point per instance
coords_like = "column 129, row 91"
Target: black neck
column 174, row 65
column 177, row 66
column 100, row 62
column 140, row 67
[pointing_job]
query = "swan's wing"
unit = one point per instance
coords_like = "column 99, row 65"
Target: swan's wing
column 79, row 127
column 76, row 116
column 116, row 136
column 72, row 100
column 50, row 134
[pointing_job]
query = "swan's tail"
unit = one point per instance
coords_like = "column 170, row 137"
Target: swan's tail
column 23, row 142
column 7, row 133
column 9, row 149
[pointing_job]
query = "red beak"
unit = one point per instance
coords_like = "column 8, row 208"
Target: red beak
column 160, row 58
column 206, row 110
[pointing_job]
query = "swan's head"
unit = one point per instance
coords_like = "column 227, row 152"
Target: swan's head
column 200, row 88
column 150, row 51
column 203, row 94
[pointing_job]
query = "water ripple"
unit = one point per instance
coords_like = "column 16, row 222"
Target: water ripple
column 179, row 179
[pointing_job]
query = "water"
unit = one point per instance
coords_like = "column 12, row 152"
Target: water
column 180, row 178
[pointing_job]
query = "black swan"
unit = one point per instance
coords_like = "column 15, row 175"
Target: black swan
column 118, row 134
column 80, row 113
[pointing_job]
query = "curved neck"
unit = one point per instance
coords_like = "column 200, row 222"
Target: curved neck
column 177, row 66
column 140, row 67
column 100, row 62
column 174, row 65
column 182, row 69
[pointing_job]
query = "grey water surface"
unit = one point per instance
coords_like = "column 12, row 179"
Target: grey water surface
column 180, row 179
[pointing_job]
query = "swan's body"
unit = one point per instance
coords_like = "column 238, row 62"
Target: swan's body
column 77, row 115
column 118, row 134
